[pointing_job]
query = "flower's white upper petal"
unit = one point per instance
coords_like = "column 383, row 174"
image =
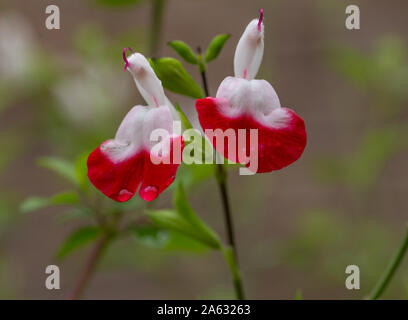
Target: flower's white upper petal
column 128, row 141
column 134, row 133
column 159, row 119
column 249, row 51
column 147, row 82
column 255, row 97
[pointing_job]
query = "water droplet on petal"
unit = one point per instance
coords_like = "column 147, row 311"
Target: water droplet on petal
column 149, row 193
column 124, row 195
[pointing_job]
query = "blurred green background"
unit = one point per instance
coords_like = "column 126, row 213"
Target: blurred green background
column 63, row 92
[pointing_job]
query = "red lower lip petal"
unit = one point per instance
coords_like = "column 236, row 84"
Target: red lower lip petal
column 277, row 148
column 120, row 181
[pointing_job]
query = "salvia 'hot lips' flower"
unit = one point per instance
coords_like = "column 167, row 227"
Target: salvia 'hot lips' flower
column 243, row 102
column 137, row 156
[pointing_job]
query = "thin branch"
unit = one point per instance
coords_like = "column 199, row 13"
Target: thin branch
column 221, row 176
column 90, row 266
column 391, row 269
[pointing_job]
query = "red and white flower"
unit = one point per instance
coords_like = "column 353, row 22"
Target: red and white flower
column 243, row 102
column 119, row 166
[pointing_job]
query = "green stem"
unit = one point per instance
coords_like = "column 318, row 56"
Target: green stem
column 230, row 258
column 221, row 176
column 391, row 269
column 156, row 26
column 90, row 266
column 109, row 233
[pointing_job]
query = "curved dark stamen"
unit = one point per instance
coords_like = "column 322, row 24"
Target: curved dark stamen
column 124, row 57
column 260, row 19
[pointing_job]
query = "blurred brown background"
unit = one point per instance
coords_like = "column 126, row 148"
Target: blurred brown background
column 62, row 92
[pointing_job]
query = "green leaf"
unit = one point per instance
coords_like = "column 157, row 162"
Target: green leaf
column 175, row 78
column 170, row 219
column 185, row 220
column 215, row 46
column 81, row 171
column 183, row 207
column 77, row 239
column 35, row 203
column 151, row 236
column 62, row 167
column 184, row 51
column 179, row 242
column 168, row 240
